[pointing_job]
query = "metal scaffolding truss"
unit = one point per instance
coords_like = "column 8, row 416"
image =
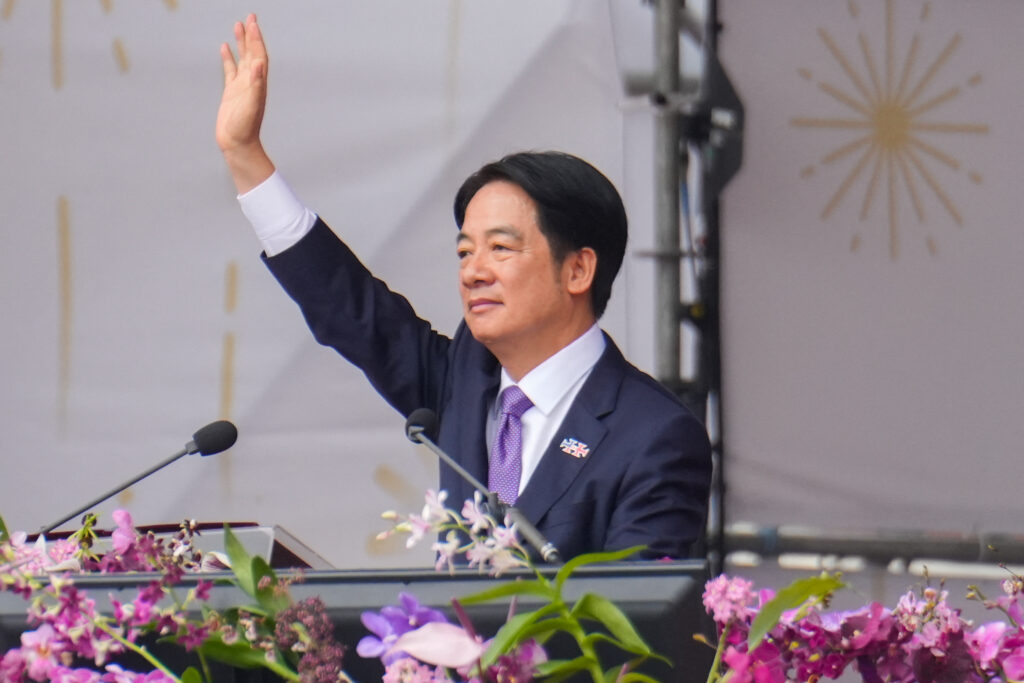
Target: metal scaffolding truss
column 698, row 149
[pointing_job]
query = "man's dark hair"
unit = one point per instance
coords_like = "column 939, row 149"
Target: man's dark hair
column 576, row 207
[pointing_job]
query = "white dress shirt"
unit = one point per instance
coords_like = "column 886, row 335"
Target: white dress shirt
column 278, row 217
column 552, row 387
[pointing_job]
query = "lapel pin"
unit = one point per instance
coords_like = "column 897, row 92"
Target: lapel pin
column 576, row 449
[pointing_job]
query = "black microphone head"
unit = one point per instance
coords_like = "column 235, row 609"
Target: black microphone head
column 213, row 438
column 421, row 420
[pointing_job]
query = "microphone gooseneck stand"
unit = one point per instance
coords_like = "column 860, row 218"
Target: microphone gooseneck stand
column 420, row 424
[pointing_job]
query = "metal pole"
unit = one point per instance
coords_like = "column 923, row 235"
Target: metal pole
column 712, row 344
column 666, row 201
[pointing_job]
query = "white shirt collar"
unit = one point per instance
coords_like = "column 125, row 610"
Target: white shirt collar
column 548, row 383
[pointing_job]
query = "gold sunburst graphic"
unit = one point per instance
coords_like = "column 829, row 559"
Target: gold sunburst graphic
column 892, row 131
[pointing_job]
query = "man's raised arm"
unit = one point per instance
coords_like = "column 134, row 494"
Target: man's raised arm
column 242, row 105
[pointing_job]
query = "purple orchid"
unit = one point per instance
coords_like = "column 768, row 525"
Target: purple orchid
column 391, row 623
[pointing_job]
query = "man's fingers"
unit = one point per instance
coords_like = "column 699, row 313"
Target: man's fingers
column 228, row 60
column 252, row 54
column 240, row 39
column 259, row 72
column 254, row 46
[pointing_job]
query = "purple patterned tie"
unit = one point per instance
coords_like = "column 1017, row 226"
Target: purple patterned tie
column 507, row 452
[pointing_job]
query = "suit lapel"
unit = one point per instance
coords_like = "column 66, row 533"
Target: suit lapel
column 481, row 386
column 472, row 435
column 582, row 426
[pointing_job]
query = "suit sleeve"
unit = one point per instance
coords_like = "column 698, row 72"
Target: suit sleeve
column 663, row 496
column 356, row 314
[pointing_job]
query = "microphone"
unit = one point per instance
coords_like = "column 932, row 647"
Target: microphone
column 421, row 427
column 421, row 420
column 213, row 438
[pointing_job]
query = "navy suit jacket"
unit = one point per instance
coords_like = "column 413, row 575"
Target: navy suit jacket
column 646, row 474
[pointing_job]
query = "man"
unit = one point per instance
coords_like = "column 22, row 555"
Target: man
column 533, row 397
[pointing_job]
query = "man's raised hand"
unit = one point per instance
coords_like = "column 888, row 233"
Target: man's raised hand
column 242, row 105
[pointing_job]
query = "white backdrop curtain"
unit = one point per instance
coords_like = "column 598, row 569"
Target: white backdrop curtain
column 136, row 306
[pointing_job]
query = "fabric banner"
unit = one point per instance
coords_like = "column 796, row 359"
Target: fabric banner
column 137, row 308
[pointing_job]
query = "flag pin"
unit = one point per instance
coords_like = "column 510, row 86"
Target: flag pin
column 576, row 449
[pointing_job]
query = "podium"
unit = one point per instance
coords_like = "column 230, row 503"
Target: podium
column 274, row 544
column 663, row 599
column 277, row 546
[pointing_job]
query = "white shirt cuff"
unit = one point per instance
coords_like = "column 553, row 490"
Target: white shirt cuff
column 278, row 217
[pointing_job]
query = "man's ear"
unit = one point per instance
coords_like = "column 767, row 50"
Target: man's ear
column 580, row 267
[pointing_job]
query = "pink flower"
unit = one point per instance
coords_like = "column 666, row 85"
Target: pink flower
column 446, row 551
column 866, row 626
column 38, row 559
column 193, row 636
column 505, row 537
column 1013, row 666
column 520, row 664
column 503, row 560
column 116, row 674
column 63, row 556
column 747, row 668
column 155, row 677
column 408, row 670
column 434, row 510
column 124, row 536
column 41, row 651
column 1011, row 602
column 64, row 675
column 479, row 554
column 203, row 589
column 985, row 642
column 12, row 665
column 473, row 512
column 728, row 599
column 417, row 528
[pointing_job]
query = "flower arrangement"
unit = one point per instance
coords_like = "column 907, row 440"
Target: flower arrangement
column 763, row 636
column 766, row 637
column 76, row 641
column 417, row 644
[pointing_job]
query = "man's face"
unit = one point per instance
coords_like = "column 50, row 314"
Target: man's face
column 514, row 296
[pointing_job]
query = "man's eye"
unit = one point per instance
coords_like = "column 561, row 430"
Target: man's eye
column 462, row 253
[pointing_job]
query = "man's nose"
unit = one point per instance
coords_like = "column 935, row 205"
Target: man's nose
column 474, row 270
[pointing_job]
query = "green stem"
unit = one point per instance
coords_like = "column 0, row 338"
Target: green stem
column 713, row 674
column 577, row 631
column 205, row 664
column 274, row 666
column 983, row 600
column 588, row 651
column 281, row 670
column 138, row 649
column 586, row 648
